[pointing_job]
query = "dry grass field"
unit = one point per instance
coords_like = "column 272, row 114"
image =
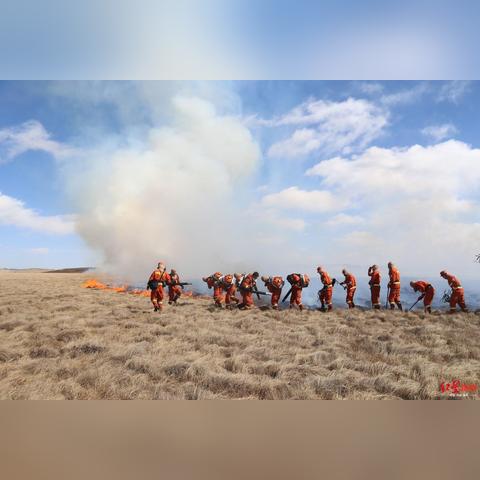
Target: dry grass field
column 61, row 341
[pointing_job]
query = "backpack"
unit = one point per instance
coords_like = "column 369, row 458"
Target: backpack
column 227, row 281
column 304, row 280
column 293, row 278
column 153, row 284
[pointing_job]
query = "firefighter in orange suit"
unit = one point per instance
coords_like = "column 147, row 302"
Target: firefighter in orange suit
column 274, row 285
column 427, row 293
column 213, row 281
column 375, row 279
column 350, row 284
column 326, row 292
column 457, row 295
column 174, row 288
column 156, row 283
column 228, row 285
column 247, row 287
column 298, row 283
column 394, row 285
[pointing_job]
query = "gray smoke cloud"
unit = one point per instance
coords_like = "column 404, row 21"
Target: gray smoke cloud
column 175, row 195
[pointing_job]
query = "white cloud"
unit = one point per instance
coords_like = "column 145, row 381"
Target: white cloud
column 13, row 212
column 30, row 135
column 440, row 132
column 453, row 91
column 343, row 219
column 405, row 96
column 301, row 142
column 405, row 171
column 419, row 203
column 293, row 198
column 275, row 218
column 297, row 224
column 365, row 241
column 318, row 168
column 328, row 127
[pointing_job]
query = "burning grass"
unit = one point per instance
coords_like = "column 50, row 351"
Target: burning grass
column 97, row 285
column 61, row 341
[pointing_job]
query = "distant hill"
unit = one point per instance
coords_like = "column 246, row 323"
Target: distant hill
column 71, row 270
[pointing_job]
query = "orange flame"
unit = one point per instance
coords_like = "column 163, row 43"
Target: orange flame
column 141, row 293
column 92, row 283
column 96, row 285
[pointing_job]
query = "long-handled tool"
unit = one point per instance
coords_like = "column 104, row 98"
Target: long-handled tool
column 418, row 299
column 287, row 295
column 388, row 294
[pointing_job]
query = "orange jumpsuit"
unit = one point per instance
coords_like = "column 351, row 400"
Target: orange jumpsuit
column 174, row 289
column 457, row 295
column 351, row 284
column 246, row 289
column 214, row 283
column 394, row 284
column 326, row 291
column 375, row 288
column 274, row 286
column 427, row 291
column 156, row 295
column 228, row 284
column 296, row 295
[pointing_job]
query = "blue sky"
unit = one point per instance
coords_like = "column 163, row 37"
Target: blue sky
column 293, row 161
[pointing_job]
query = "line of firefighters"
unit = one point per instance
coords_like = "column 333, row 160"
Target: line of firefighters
column 225, row 288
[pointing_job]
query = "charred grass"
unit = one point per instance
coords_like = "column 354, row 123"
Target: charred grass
column 60, row 341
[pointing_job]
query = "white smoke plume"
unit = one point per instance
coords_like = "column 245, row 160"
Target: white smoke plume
column 176, row 195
